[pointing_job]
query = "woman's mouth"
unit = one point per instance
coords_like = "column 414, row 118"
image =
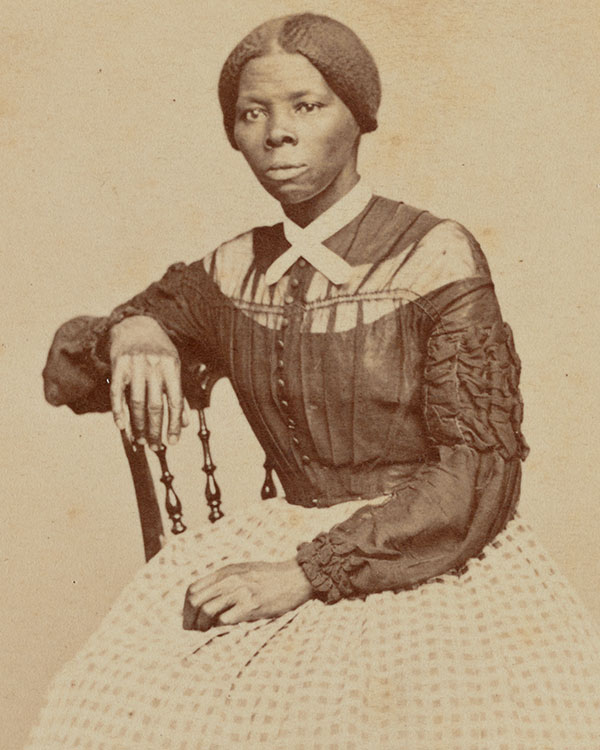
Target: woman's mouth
column 285, row 171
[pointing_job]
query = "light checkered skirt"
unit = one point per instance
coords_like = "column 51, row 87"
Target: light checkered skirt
column 502, row 657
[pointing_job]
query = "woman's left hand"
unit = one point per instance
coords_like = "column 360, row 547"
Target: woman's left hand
column 243, row 593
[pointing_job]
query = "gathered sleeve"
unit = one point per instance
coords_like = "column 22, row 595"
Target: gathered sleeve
column 459, row 500
column 77, row 370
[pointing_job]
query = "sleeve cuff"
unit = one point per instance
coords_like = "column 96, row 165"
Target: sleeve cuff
column 75, row 372
column 328, row 567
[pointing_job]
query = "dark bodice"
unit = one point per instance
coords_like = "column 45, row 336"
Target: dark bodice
column 401, row 382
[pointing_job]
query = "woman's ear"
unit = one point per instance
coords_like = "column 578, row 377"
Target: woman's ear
column 231, row 133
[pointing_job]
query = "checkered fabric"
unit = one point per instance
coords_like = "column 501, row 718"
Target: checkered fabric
column 500, row 657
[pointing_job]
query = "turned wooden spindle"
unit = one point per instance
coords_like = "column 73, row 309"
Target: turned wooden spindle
column 172, row 501
column 268, row 489
column 212, row 491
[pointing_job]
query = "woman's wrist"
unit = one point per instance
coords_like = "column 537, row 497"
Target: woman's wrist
column 139, row 333
column 299, row 579
column 134, row 324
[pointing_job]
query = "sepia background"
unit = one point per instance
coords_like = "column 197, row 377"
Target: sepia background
column 114, row 165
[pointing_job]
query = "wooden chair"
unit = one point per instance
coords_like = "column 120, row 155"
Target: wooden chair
column 197, row 382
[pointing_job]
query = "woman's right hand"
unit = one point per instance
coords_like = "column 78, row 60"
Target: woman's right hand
column 145, row 361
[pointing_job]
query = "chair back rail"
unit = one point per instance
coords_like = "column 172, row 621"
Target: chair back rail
column 145, row 493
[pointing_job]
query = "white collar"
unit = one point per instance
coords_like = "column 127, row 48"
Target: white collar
column 307, row 243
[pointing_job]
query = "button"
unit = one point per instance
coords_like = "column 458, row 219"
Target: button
column 281, row 383
column 285, row 322
column 280, row 344
column 295, row 440
column 288, row 299
column 305, row 459
column 315, row 501
column 294, row 283
column 291, row 424
column 279, row 363
column 284, row 403
column 301, row 262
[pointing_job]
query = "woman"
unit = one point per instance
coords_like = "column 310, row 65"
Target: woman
column 393, row 598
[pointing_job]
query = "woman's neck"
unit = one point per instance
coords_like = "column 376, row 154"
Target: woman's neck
column 304, row 213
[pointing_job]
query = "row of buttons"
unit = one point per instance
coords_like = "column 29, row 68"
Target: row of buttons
column 289, row 299
column 283, row 401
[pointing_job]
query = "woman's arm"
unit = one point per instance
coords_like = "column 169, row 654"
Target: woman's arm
column 139, row 346
column 454, row 505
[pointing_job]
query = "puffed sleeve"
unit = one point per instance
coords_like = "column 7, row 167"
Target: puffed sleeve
column 456, row 503
column 77, row 369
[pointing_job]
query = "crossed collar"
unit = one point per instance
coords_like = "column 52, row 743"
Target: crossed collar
column 307, row 243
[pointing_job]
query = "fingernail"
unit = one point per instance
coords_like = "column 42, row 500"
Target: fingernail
column 154, row 447
column 119, row 424
column 141, row 441
column 173, row 439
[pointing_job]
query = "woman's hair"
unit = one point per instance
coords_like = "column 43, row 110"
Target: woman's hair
column 334, row 49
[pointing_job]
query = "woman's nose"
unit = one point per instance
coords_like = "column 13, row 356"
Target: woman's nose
column 280, row 132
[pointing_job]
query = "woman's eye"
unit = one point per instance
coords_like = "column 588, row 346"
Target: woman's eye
column 308, row 107
column 251, row 115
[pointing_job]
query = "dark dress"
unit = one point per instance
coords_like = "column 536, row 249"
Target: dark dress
column 389, row 407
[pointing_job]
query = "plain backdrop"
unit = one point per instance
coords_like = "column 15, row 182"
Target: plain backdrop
column 114, row 165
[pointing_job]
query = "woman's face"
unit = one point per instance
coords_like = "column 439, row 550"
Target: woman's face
column 296, row 134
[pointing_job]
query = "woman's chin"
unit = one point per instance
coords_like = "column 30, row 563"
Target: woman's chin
column 289, row 194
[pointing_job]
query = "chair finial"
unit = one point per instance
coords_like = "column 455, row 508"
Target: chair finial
column 268, row 489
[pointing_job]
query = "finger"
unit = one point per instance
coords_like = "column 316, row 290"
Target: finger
column 118, row 382
column 208, row 614
column 203, row 622
column 174, row 399
column 219, row 575
column 202, row 583
column 155, row 407
column 137, row 401
column 185, row 414
column 189, row 614
column 127, row 419
column 240, row 613
column 199, row 615
column 199, row 597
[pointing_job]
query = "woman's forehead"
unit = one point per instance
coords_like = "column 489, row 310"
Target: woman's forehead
column 281, row 76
